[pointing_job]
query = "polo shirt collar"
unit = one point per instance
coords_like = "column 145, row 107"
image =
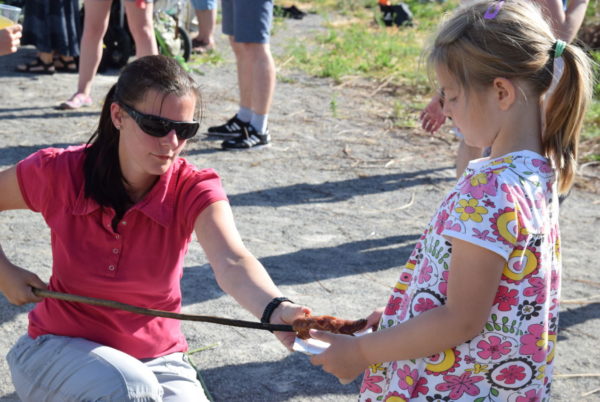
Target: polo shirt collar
column 157, row 205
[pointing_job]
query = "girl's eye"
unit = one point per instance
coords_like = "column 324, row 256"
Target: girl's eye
column 453, row 99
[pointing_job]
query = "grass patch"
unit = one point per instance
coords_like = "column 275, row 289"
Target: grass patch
column 356, row 43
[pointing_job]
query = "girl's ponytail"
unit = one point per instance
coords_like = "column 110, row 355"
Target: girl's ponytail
column 565, row 112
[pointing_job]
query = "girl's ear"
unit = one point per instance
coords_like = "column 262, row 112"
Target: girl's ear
column 505, row 93
column 116, row 115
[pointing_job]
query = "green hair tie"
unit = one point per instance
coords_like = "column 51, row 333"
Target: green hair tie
column 559, row 48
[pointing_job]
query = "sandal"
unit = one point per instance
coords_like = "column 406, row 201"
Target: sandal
column 199, row 46
column 36, row 67
column 65, row 66
column 75, row 102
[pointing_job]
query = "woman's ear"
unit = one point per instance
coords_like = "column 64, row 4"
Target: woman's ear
column 116, row 115
column 505, row 93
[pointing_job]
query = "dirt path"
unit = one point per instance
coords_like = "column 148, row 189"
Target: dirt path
column 332, row 210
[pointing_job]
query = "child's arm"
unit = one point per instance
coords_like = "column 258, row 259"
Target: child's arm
column 565, row 23
column 432, row 117
column 472, row 285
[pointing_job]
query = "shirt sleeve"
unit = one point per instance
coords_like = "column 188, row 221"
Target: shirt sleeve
column 483, row 212
column 37, row 176
column 201, row 188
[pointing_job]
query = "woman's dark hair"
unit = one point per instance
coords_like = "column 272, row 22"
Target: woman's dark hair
column 104, row 181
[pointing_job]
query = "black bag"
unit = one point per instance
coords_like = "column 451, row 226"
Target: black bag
column 398, row 14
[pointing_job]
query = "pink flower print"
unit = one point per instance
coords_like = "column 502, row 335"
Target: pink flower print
column 458, row 385
column 515, row 195
column 404, row 305
column 537, row 288
column 444, row 283
column 489, row 203
column 531, row 396
column 370, row 382
column 407, row 378
column 424, row 304
column 426, row 270
column 393, row 305
column 405, row 277
column 494, row 348
column 420, row 388
column 506, row 298
column 483, row 235
column 449, row 225
column 511, row 374
column 535, row 343
column 542, row 165
column 478, row 185
column 554, row 280
column 442, row 217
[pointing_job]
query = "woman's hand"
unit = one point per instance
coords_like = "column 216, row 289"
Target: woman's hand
column 16, row 284
column 343, row 358
column 287, row 313
column 432, row 117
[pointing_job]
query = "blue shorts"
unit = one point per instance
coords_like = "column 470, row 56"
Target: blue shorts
column 248, row 21
column 204, row 4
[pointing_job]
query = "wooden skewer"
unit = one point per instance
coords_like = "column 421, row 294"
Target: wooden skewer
column 160, row 313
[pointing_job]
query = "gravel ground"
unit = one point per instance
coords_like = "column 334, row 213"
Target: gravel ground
column 332, row 210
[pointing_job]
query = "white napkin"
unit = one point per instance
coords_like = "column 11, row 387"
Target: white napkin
column 312, row 346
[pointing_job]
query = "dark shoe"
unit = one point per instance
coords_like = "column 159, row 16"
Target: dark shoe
column 37, row 67
column 65, row 66
column 199, row 46
column 249, row 139
column 233, row 128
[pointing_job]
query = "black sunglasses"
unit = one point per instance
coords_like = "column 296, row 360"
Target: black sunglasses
column 159, row 126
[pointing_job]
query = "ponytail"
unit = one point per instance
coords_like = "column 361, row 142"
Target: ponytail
column 565, row 113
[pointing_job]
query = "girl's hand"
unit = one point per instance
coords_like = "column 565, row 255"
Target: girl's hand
column 286, row 313
column 16, row 284
column 374, row 318
column 343, row 358
column 432, row 117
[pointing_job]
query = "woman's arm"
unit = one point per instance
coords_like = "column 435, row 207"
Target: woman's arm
column 565, row 23
column 15, row 282
column 472, row 285
column 237, row 271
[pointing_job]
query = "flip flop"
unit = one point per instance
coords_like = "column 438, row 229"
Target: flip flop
column 76, row 101
column 37, row 66
column 200, row 47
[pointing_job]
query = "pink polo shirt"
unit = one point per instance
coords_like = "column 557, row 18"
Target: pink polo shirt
column 140, row 264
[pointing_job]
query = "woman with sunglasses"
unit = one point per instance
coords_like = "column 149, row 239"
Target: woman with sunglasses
column 122, row 210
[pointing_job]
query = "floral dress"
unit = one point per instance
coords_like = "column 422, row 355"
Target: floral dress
column 507, row 205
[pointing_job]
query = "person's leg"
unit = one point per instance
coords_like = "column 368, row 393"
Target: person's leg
column 206, row 14
column 255, row 65
column 57, row 368
column 141, row 27
column 177, row 377
column 95, row 23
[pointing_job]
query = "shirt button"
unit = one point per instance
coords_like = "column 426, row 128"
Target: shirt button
column 117, row 237
column 123, row 223
column 111, row 267
column 115, row 250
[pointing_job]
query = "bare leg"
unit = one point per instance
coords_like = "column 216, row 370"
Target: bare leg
column 256, row 75
column 142, row 28
column 206, row 26
column 94, row 27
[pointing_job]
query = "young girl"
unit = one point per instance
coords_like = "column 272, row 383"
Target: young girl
column 122, row 212
column 474, row 314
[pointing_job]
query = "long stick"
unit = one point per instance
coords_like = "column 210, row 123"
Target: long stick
column 160, row 313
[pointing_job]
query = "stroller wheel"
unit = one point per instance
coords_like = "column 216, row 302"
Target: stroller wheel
column 186, row 43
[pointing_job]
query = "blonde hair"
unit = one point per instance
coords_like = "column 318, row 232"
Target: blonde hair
column 519, row 44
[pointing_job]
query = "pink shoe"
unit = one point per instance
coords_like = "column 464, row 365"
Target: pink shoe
column 76, row 101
